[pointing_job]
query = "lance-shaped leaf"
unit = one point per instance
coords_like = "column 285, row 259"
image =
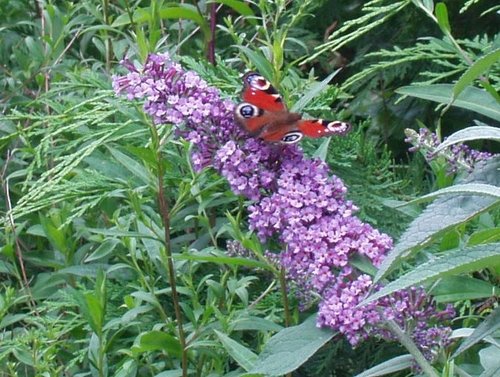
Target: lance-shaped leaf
column 453, row 263
column 479, row 189
column 390, row 366
column 470, row 98
column 444, row 214
column 242, row 355
column 471, row 133
column 290, row 348
column 475, row 70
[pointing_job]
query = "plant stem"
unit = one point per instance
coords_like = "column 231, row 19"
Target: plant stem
column 286, row 306
column 211, row 43
column 165, row 216
column 107, row 39
column 19, row 253
column 412, row 348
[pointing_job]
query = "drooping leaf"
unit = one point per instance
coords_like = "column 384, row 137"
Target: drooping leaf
column 471, row 133
column 131, row 165
column 241, row 354
column 477, row 189
column 239, row 6
column 461, row 288
column 158, row 341
column 255, row 323
column 452, row 263
column 168, row 11
column 290, row 348
column 222, row 259
column 390, row 366
column 186, row 12
column 443, row 214
column 470, row 98
column 103, row 250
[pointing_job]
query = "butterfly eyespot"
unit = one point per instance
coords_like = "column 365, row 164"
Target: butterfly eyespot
column 292, row 137
column 338, row 127
column 258, row 82
column 246, row 110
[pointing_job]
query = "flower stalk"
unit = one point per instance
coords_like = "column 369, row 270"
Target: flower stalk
column 165, row 216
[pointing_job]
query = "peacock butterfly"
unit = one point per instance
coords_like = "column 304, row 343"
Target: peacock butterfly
column 264, row 115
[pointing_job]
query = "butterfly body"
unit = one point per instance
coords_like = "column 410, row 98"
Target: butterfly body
column 264, row 115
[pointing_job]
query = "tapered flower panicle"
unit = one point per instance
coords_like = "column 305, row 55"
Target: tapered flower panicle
column 296, row 201
column 459, row 157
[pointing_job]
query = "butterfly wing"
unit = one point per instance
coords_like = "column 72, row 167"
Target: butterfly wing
column 263, row 108
column 316, row 128
column 259, row 92
column 267, row 125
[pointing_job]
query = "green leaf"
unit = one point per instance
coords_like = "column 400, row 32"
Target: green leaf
column 471, row 133
column 103, row 250
column 131, row 165
column 441, row 13
column 478, row 189
column 454, row 262
column 363, row 264
column 88, row 270
column 429, row 4
column 390, row 366
column 242, row 355
column 127, row 369
column 490, row 361
column 24, row 355
column 255, row 324
column 262, row 65
column 158, row 341
column 460, row 288
column 9, row 319
column 173, row 373
column 55, row 235
column 484, row 236
column 182, row 11
column 475, row 70
column 290, row 348
column 239, row 6
column 322, row 150
column 231, row 261
column 488, row 327
column 95, row 312
column 188, row 12
column 316, row 89
column 121, row 233
column 442, row 215
column 140, row 16
column 470, row 98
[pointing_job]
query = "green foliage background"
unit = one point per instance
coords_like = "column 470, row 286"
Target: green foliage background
column 84, row 270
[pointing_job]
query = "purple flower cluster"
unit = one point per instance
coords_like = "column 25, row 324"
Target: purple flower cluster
column 311, row 216
column 413, row 311
column 458, row 156
column 181, row 98
column 296, row 202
